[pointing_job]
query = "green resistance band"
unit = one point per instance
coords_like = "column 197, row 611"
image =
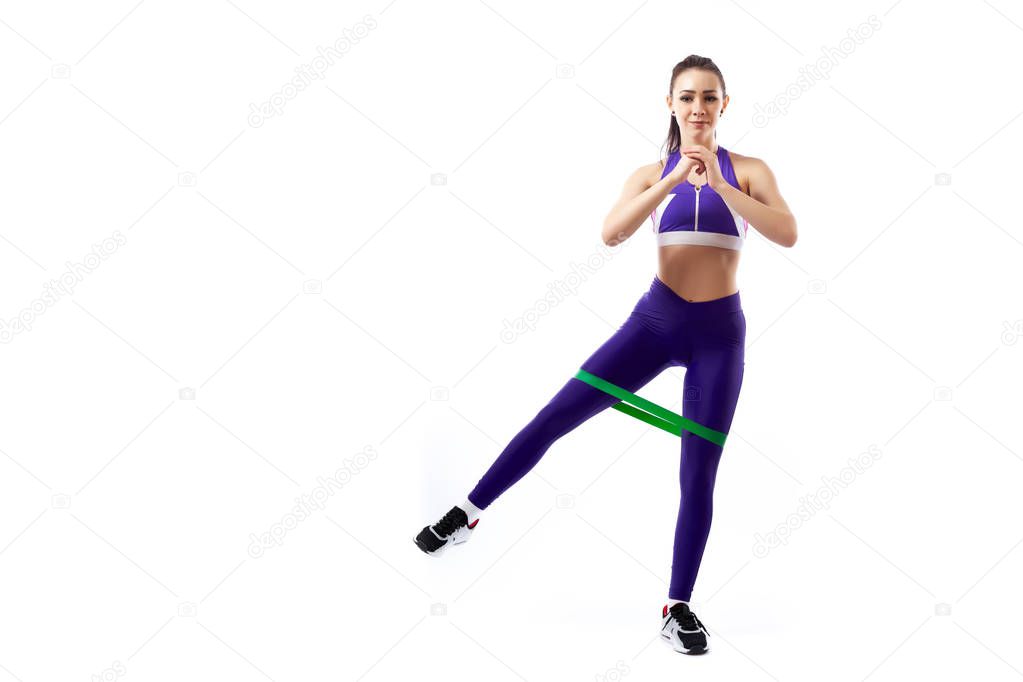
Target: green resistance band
column 651, row 413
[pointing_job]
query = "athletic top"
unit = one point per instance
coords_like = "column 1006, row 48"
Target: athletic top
column 691, row 215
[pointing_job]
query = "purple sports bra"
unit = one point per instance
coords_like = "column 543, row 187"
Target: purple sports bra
column 690, row 215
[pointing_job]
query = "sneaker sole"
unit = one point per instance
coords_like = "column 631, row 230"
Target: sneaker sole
column 695, row 651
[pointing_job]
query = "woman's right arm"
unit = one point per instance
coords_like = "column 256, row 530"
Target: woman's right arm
column 638, row 200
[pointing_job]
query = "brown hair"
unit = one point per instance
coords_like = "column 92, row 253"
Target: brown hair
column 693, row 61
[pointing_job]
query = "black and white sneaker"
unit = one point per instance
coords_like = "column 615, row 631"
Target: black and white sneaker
column 453, row 529
column 683, row 630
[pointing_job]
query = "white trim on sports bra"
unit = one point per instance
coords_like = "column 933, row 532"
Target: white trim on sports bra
column 725, row 241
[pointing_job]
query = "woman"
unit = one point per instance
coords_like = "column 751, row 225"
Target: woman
column 700, row 201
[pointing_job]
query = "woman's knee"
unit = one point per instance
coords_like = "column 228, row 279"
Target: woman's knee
column 699, row 467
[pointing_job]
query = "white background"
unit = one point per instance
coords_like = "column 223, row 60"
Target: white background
column 322, row 297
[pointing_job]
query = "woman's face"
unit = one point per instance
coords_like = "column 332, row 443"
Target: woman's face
column 697, row 103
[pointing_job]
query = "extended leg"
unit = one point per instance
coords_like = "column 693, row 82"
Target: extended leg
column 630, row 358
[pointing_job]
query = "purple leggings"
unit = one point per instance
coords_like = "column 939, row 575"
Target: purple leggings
column 708, row 338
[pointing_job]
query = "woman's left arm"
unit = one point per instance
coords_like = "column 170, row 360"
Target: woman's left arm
column 764, row 207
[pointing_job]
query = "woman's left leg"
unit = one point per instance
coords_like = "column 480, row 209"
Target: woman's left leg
column 712, row 383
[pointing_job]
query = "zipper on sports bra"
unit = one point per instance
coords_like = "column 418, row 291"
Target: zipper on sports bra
column 696, row 222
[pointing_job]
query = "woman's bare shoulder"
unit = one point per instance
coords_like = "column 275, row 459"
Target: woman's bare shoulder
column 652, row 172
column 742, row 158
column 747, row 162
column 745, row 167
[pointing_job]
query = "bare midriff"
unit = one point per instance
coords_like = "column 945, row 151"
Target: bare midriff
column 696, row 272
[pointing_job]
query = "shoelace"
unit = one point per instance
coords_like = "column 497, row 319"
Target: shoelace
column 446, row 526
column 688, row 622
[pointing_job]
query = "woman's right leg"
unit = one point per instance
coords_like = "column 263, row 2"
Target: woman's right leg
column 633, row 356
